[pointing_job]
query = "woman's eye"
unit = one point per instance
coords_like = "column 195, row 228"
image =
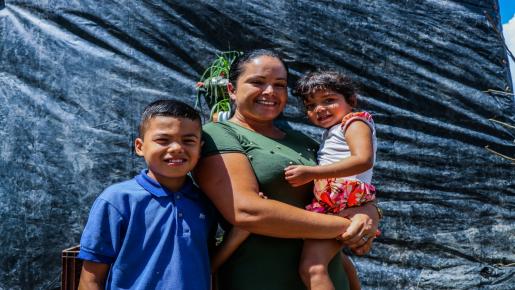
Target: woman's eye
column 280, row 85
column 161, row 141
column 256, row 82
column 329, row 101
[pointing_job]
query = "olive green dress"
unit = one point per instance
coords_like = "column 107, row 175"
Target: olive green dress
column 261, row 262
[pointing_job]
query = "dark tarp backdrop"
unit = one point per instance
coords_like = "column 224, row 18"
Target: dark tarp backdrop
column 75, row 75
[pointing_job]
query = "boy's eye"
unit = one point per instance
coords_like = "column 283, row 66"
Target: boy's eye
column 281, row 85
column 190, row 141
column 329, row 101
column 161, row 140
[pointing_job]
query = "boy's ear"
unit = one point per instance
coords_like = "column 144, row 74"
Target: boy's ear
column 232, row 91
column 138, row 146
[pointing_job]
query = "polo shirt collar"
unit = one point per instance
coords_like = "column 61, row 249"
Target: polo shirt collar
column 157, row 190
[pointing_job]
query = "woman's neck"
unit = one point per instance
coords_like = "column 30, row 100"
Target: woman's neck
column 266, row 128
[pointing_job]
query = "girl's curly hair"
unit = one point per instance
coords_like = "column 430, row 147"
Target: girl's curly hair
column 315, row 81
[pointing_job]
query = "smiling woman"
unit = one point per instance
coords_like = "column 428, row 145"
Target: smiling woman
column 260, row 91
column 248, row 154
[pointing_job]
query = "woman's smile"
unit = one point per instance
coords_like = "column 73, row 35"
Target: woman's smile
column 260, row 93
column 266, row 102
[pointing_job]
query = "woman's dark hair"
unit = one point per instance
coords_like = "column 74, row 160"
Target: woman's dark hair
column 237, row 65
column 315, row 81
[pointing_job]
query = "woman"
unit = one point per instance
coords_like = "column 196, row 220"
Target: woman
column 248, row 154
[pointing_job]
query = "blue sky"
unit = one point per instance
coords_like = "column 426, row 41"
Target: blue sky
column 507, row 8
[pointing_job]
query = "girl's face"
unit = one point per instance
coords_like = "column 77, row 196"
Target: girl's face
column 261, row 89
column 326, row 108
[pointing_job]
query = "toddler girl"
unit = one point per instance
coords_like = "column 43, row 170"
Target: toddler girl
column 344, row 172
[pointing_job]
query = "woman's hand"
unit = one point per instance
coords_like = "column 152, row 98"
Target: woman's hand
column 298, row 175
column 362, row 231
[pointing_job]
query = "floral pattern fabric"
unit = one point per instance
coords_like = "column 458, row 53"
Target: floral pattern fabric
column 332, row 195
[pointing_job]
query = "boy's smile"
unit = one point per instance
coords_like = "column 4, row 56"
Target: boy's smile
column 171, row 148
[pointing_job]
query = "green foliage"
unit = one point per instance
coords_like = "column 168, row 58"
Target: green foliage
column 212, row 86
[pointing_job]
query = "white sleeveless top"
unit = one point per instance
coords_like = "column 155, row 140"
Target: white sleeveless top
column 334, row 147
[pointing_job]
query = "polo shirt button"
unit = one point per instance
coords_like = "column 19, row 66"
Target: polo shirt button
column 272, row 152
column 178, row 196
column 180, row 214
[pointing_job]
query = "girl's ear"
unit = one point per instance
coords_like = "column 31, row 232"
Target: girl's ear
column 232, row 91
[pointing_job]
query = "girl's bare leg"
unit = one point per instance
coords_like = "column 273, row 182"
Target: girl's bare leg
column 316, row 255
column 352, row 274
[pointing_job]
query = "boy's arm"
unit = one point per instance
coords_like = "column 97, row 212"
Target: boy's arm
column 359, row 138
column 93, row 275
column 229, row 245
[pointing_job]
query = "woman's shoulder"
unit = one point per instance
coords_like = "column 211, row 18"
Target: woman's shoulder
column 220, row 137
column 214, row 127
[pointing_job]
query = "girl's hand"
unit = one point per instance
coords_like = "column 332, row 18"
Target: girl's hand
column 298, row 175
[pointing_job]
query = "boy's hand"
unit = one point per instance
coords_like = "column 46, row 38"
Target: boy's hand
column 298, row 175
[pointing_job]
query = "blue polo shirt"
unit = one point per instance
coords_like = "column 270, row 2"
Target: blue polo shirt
column 154, row 238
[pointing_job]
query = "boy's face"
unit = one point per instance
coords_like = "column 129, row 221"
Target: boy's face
column 171, row 148
column 326, row 108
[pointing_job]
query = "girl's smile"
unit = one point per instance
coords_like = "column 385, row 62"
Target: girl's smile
column 326, row 108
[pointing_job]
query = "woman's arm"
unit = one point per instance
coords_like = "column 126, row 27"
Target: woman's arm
column 359, row 138
column 228, row 180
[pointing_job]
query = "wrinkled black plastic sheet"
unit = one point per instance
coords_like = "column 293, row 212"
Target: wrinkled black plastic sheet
column 75, row 75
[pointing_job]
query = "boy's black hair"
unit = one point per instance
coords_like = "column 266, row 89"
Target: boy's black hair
column 335, row 81
column 237, row 65
column 167, row 108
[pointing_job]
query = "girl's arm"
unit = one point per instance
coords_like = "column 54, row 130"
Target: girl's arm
column 359, row 138
column 231, row 242
column 228, row 180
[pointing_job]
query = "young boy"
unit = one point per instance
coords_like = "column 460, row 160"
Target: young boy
column 151, row 232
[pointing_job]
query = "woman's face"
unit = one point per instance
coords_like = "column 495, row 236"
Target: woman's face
column 261, row 89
